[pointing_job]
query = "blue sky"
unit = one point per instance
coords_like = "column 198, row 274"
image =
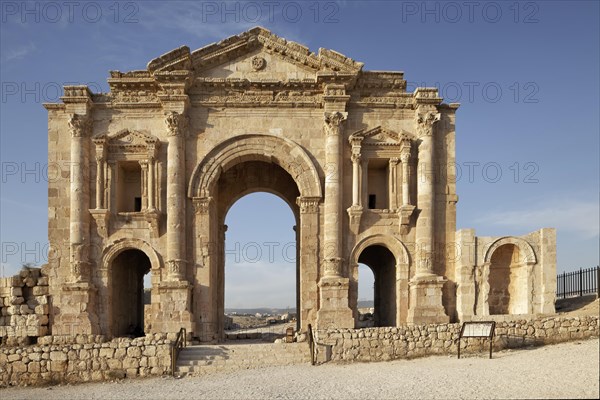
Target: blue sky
column 526, row 74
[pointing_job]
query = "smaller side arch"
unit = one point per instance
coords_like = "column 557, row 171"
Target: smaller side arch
column 118, row 246
column 525, row 249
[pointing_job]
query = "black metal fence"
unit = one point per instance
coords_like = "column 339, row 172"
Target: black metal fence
column 578, row 283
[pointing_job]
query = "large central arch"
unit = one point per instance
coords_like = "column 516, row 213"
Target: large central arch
column 255, row 147
column 225, row 175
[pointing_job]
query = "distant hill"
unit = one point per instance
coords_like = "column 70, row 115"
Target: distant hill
column 278, row 311
column 262, row 310
column 366, row 304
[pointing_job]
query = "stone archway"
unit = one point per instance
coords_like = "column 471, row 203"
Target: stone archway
column 125, row 262
column 389, row 259
column 506, row 278
column 234, row 168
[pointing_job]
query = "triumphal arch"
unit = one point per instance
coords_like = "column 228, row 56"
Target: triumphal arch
column 155, row 164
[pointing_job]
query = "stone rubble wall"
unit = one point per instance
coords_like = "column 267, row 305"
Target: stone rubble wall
column 382, row 344
column 24, row 307
column 84, row 358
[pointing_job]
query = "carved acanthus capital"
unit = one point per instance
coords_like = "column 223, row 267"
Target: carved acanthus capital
column 425, row 122
column 425, row 263
column 405, row 157
column 202, row 205
column 308, row 205
column 176, row 268
column 79, row 125
column 394, row 161
column 80, row 271
column 176, row 123
column 332, row 266
column 333, row 122
column 355, row 157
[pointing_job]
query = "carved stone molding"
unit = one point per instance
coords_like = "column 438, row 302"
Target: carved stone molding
column 202, row 204
column 355, row 213
column 101, row 217
column 405, row 212
column 308, row 205
column 258, row 63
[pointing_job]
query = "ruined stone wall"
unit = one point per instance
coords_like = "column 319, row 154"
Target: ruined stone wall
column 382, row 344
column 84, row 358
column 24, row 307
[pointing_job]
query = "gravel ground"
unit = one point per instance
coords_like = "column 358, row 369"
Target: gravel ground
column 568, row 370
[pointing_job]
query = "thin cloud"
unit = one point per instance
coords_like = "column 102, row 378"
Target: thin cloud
column 18, row 53
column 578, row 217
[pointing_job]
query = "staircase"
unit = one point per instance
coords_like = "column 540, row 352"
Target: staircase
column 205, row 359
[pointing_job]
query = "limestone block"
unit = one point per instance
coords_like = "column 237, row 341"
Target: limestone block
column 17, row 300
column 24, row 309
column 42, row 309
column 42, row 281
column 16, row 292
column 40, row 290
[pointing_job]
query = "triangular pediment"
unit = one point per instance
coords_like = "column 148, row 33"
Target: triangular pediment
column 251, row 52
column 126, row 138
column 381, row 136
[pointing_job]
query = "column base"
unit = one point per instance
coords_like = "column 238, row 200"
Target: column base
column 426, row 300
column 334, row 311
column 77, row 305
column 170, row 311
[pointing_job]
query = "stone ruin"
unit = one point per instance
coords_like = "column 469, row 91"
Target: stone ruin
column 152, row 167
column 25, row 308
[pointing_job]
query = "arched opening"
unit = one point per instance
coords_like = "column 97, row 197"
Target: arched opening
column 503, row 279
column 260, row 267
column 128, row 270
column 366, row 296
column 383, row 264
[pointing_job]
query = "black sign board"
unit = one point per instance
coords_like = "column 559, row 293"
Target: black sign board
column 477, row 329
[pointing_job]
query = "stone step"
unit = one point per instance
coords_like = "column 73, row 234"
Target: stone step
column 202, row 359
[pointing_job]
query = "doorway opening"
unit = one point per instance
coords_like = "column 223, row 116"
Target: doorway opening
column 261, row 268
column 382, row 263
column 128, row 295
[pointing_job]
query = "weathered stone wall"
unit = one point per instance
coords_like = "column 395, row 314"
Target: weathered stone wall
column 24, row 307
column 84, row 358
column 382, row 344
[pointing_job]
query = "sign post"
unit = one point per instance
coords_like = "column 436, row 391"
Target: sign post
column 477, row 329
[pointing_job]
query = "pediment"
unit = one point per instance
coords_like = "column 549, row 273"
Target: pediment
column 259, row 65
column 127, row 140
column 236, row 55
column 381, row 136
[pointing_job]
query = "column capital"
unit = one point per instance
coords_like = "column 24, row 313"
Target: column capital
column 334, row 121
column 176, row 269
column 332, row 266
column 425, row 121
column 394, row 161
column 79, row 125
column 176, row 123
column 355, row 157
column 405, row 157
